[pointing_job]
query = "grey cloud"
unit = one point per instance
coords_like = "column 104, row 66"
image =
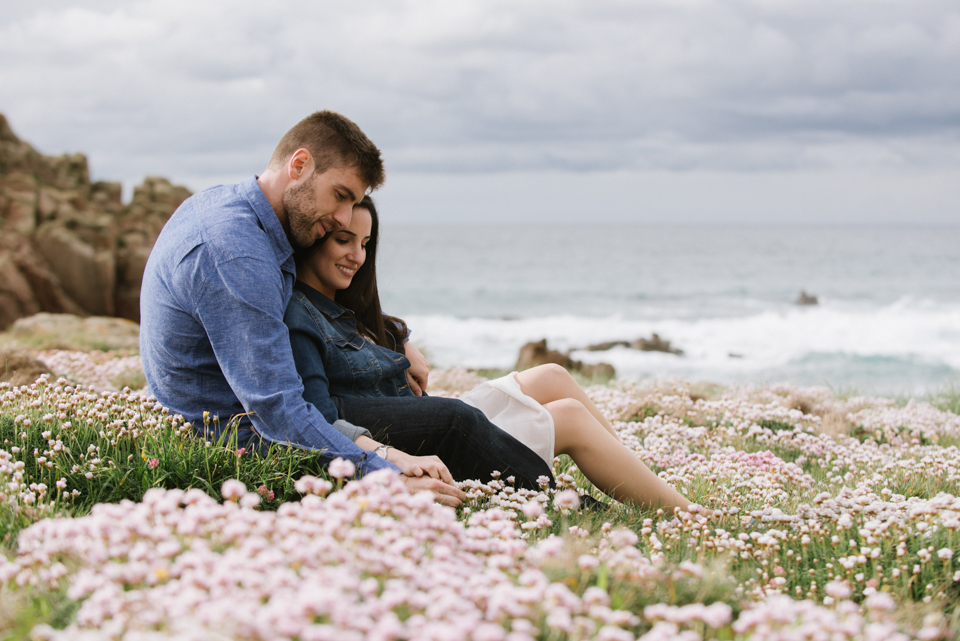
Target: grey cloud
column 207, row 88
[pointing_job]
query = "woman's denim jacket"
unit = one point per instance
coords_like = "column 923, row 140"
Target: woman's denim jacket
column 333, row 359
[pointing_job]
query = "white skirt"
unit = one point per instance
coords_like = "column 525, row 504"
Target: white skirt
column 507, row 407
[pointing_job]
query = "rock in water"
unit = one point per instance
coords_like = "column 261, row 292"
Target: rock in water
column 533, row 354
column 655, row 344
column 597, row 370
column 806, row 299
column 537, row 353
column 652, row 344
column 602, row 347
column 68, row 245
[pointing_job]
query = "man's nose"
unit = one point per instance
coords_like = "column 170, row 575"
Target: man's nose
column 344, row 215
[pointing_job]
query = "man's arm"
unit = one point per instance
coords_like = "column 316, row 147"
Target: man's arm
column 240, row 305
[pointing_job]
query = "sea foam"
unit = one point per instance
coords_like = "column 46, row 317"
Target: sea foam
column 900, row 347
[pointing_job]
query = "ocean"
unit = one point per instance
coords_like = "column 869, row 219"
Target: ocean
column 887, row 319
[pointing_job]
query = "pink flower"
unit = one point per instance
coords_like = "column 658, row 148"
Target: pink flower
column 233, row 490
column 880, row 601
column 532, row 509
column 312, row 485
column 488, row 632
column 838, row 590
column 588, row 562
column 341, row 468
column 153, row 463
column 613, row 633
column 687, row 567
column 249, row 500
column 265, row 492
column 567, row 500
column 717, row 615
column 624, row 538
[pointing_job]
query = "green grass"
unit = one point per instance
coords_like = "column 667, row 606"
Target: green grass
column 129, row 466
column 23, row 609
column 947, row 398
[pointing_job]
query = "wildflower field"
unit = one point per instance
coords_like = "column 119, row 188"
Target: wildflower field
column 839, row 519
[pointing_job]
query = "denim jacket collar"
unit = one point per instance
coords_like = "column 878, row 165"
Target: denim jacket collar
column 329, row 308
column 269, row 222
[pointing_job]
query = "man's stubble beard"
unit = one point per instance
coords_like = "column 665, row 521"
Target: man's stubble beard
column 298, row 203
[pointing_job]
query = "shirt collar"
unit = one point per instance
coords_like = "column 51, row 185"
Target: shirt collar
column 329, row 308
column 268, row 219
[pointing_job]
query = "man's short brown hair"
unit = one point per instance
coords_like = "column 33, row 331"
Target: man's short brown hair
column 333, row 141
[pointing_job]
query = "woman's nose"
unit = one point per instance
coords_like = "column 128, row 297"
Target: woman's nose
column 356, row 255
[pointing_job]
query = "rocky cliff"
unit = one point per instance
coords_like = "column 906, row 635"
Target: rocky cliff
column 69, row 245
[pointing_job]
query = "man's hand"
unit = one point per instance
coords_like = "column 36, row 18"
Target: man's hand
column 444, row 493
column 410, row 465
column 419, row 369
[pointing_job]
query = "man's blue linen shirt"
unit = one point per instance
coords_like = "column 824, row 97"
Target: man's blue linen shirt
column 212, row 336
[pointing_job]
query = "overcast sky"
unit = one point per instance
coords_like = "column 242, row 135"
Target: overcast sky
column 841, row 111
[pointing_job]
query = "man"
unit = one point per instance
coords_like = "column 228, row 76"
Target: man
column 215, row 288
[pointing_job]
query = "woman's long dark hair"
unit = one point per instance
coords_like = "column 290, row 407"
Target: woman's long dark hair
column 362, row 296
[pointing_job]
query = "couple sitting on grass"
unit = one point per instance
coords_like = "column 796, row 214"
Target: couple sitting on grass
column 260, row 306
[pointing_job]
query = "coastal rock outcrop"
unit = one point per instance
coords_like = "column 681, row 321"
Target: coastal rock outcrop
column 68, row 245
column 19, row 367
column 537, row 353
column 806, row 299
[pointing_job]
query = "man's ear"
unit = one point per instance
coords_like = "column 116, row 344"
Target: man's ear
column 300, row 164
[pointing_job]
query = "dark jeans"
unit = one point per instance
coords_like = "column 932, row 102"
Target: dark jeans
column 468, row 444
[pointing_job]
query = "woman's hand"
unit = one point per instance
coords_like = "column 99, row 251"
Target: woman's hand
column 419, row 370
column 420, row 473
column 449, row 495
column 427, row 473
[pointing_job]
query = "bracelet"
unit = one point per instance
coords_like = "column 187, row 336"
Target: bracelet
column 382, row 451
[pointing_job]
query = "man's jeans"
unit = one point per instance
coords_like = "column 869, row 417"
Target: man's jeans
column 469, row 444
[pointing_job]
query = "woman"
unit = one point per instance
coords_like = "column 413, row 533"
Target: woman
column 542, row 407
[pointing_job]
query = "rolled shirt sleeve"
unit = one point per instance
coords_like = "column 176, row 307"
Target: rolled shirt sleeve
column 351, row 431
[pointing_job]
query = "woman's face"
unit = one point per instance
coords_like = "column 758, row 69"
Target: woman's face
column 335, row 262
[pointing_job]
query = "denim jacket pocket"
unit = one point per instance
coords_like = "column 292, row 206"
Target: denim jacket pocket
column 351, row 347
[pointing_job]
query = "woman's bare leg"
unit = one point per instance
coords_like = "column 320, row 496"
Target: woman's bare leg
column 606, row 461
column 548, row 383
